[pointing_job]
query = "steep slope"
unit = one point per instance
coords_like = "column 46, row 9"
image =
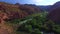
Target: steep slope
column 56, row 5
column 10, row 12
column 54, row 13
column 18, row 11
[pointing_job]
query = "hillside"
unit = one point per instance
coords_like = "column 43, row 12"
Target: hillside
column 17, row 11
column 9, row 12
column 54, row 13
column 29, row 19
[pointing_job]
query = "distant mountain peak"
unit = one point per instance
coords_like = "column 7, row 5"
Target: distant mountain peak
column 57, row 3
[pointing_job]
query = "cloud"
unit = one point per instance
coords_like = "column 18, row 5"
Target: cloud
column 38, row 1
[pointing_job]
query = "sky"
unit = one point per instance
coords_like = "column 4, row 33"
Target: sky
column 37, row 2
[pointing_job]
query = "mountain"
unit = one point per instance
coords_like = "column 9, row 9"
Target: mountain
column 12, row 12
column 17, row 11
column 56, row 5
column 50, row 7
column 54, row 13
column 45, row 8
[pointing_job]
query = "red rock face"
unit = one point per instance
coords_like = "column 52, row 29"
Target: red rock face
column 2, row 17
column 54, row 15
column 11, row 12
column 17, row 11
